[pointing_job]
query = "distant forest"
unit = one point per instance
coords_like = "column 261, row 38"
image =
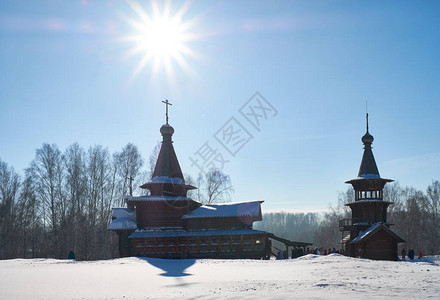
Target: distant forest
column 64, row 201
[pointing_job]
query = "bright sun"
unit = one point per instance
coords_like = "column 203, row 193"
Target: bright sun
column 160, row 37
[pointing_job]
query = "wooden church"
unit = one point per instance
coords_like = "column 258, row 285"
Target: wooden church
column 369, row 235
column 165, row 223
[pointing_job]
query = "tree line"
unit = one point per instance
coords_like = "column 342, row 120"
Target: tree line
column 64, row 200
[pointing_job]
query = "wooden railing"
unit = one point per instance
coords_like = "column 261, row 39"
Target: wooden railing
column 350, row 224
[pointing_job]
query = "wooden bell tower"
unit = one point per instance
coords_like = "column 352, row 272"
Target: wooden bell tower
column 370, row 234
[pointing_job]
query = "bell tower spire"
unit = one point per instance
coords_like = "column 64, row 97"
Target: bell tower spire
column 367, row 122
column 368, row 177
column 368, row 168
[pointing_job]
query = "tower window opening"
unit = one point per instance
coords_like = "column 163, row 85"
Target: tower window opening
column 368, row 194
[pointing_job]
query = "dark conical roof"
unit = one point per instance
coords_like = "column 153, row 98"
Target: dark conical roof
column 368, row 168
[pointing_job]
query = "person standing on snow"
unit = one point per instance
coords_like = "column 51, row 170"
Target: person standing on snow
column 403, row 253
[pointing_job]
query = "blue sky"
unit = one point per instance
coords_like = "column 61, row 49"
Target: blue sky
column 66, row 76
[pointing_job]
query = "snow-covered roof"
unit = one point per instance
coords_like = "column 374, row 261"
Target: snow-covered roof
column 177, row 233
column 122, row 224
column 251, row 208
column 166, row 179
column 124, row 219
column 121, row 212
column 373, row 229
column 157, row 198
column 364, row 234
column 369, row 176
column 368, row 200
column 361, row 223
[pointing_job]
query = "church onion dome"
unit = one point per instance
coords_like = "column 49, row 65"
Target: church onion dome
column 166, row 129
column 367, row 138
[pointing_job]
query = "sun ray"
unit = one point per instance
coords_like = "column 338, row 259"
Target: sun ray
column 161, row 36
column 145, row 59
column 137, row 8
column 166, row 10
column 183, row 9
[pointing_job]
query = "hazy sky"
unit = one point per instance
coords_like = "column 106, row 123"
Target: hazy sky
column 70, row 72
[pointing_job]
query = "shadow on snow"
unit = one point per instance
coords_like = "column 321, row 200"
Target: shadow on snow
column 172, row 267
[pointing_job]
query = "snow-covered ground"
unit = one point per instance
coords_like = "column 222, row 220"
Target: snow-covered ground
column 309, row 277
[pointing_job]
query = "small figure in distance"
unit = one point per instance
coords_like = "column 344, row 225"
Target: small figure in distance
column 403, row 253
column 71, row 255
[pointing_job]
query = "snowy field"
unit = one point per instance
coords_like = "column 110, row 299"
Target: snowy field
column 309, row 277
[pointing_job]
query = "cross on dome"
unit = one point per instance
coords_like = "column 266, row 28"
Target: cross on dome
column 166, row 105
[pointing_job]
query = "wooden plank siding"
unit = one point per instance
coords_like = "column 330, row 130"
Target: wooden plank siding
column 371, row 212
column 226, row 246
column 158, row 214
column 380, row 246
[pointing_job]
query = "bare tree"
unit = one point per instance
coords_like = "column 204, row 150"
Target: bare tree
column 47, row 168
column 190, row 181
column 129, row 163
column 214, row 187
column 432, row 213
column 29, row 227
column 76, row 181
column 393, row 193
column 328, row 234
column 98, row 160
column 9, row 185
